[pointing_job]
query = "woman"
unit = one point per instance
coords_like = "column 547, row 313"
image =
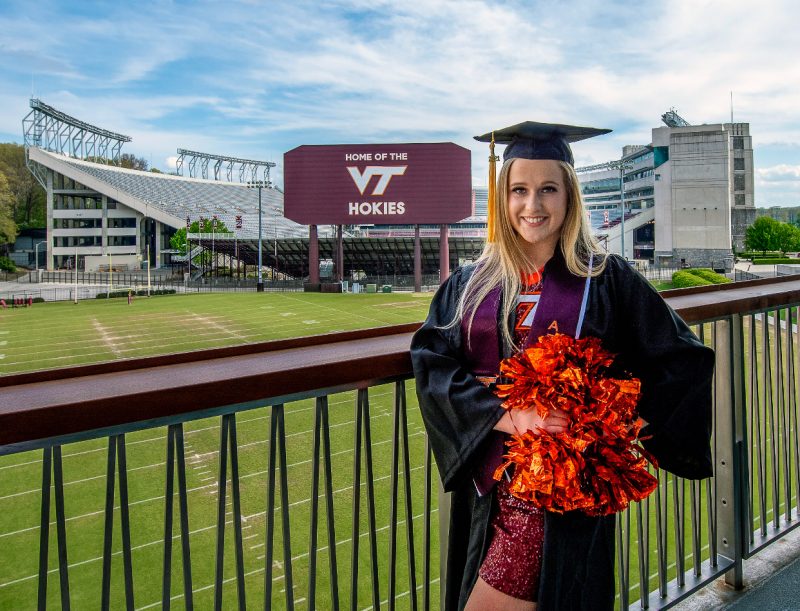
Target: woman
column 542, row 272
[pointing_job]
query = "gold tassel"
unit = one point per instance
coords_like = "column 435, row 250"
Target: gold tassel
column 492, row 195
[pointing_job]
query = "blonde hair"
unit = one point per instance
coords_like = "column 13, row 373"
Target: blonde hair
column 503, row 261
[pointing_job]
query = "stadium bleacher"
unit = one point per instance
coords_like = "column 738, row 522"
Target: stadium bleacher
column 181, row 197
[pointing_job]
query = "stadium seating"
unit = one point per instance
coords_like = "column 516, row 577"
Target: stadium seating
column 193, row 197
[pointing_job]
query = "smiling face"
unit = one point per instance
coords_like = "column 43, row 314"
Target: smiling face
column 537, row 205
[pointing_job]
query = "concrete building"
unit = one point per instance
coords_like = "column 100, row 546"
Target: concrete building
column 688, row 195
column 703, row 191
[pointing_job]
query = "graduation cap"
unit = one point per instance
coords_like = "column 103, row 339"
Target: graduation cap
column 532, row 140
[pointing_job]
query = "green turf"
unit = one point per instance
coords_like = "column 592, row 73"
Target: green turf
column 662, row 285
column 50, row 335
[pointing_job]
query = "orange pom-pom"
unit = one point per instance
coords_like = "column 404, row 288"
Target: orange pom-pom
column 596, row 465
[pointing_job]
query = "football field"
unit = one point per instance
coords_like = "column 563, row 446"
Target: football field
column 61, row 334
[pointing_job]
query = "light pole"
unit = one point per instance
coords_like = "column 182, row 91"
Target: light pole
column 622, row 203
column 214, row 269
column 146, row 262
column 621, row 165
column 76, row 274
column 188, row 252
column 36, row 253
column 275, row 268
column 259, row 184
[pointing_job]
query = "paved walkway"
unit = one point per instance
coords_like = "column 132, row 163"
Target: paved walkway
column 781, row 591
column 771, row 580
column 765, row 271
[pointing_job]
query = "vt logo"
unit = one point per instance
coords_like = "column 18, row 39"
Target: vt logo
column 384, row 171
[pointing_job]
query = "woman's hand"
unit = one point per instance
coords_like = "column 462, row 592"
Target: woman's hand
column 517, row 422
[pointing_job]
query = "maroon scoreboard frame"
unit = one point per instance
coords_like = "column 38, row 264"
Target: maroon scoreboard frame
column 394, row 184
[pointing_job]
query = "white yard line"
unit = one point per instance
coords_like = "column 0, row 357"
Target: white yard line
column 208, row 487
column 79, row 481
column 106, row 336
column 280, row 577
column 207, row 321
column 204, row 529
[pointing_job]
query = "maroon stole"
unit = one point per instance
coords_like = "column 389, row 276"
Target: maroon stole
column 561, row 307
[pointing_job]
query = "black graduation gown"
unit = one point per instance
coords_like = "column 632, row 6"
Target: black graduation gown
column 652, row 343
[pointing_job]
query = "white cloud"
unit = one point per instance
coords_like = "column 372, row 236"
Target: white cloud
column 778, row 185
column 779, row 173
column 250, row 82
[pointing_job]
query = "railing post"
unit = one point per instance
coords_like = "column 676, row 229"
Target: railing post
column 444, row 535
column 730, row 468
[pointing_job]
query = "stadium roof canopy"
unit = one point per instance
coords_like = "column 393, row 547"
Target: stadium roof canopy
column 381, row 256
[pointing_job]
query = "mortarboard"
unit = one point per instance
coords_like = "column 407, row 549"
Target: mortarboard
column 532, row 140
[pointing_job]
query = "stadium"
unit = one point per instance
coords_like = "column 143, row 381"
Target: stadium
column 101, row 215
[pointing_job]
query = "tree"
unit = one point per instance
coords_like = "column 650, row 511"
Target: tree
column 132, row 162
column 8, row 228
column 127, row 160
column 29, row 205
column 787, row 238
column 178, row 239
column 762, row 234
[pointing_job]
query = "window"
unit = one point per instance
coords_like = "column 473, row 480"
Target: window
column 738, row 182
column 120, row 223
column 66, row 242
column 122, row 240
column 76, row 224
column 738, row 199
column 738, row 163
column 738, row 142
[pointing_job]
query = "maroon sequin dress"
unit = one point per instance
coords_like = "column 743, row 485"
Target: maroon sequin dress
column 513, row 561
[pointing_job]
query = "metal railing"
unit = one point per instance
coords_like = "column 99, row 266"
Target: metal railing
column 14, row 276
column 99, row 278
column 740, row 275
column 787, row 270
column 319, row 437
column 314, row 436
column 90, row 285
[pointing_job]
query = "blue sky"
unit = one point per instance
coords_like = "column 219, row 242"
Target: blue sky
column 255, row 79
